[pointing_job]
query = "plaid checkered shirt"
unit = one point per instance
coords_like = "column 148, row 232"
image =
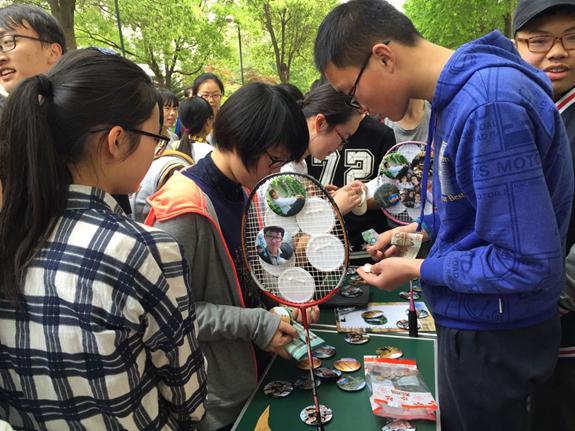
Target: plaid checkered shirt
column 108, row 337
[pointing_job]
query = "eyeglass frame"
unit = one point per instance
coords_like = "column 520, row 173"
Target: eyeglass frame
column 212, row 96
column 15, row 35
column 278, row 162
column 555, row 38
column 343, row 140
column 274, row 238
column 351, row 94
column 161, row 141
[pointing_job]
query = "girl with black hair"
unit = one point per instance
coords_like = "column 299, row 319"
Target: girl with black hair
column 330, row 123
column 258, row 129
column 170, row 107
column 208, row 86
column 95, row 309
column 196, row 116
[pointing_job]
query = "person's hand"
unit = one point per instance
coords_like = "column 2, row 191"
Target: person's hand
column 347, row 197
column 284, row 334
column 312, row 314
column 381, row 250
column 331, row 188
column 392, row 272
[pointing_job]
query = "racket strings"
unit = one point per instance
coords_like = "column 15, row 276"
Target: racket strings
column 312, row 257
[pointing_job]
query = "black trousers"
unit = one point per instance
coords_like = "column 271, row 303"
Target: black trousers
column 485, row 377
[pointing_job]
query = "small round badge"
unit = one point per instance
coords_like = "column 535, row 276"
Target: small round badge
column 309, row 415
column 356, row 338
column 404, row 324
column 398, row 425
column 304, row 364
column 405, row 295
column 285, row 196
column 351, row 291
column 421, row 314
column 347, row 365
column 304, row 383
column 374, row 317
column 389, row 352
column 278, row 389
column 324, row 352
column 284, row 315
column 327, row 373
column 351, row 383
column 417, row 289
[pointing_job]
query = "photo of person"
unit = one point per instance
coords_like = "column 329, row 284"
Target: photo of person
column 409, row 199
column 399, row 425
column 387, row 195
column 397, row 171
column 274, row 245
column 417, row 203
column 278, row 389
column 285, row 196
column 309, row 415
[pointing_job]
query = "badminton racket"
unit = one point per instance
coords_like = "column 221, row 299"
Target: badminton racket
column 399, row 189
column 296, row 246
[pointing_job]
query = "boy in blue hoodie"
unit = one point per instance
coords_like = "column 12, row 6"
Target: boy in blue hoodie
column 502, row 185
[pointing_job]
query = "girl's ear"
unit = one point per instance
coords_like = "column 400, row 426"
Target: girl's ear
column 114, row 141
column 320, row 123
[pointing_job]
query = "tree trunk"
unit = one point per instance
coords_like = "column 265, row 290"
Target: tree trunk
column 63, row 10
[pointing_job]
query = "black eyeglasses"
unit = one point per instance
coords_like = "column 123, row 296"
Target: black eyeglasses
column 343, row 140
column 161, row 141
column 8, row 41
column 277, row 162
column 351, row 94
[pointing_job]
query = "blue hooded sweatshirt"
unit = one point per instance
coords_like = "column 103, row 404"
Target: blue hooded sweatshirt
column 502, row 185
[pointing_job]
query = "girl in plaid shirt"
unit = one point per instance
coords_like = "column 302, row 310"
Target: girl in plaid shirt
column 97, row 321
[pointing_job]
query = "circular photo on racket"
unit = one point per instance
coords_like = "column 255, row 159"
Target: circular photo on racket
column 387, row 195
column 394, row 166
column 309, row 415
column 274, row 246
column 398, row 425
column 285, row 196
column 374, row 317
column 278, row 389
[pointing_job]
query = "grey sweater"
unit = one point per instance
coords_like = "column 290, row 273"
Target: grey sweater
column 225, row 328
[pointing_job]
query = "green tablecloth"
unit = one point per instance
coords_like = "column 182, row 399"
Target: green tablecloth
column 351, row 410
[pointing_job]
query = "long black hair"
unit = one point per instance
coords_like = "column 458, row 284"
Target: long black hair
column 193, row 113
column 208, row 76
column 45, row 128
column 325, row 100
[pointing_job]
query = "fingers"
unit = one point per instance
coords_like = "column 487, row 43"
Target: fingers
column 288, row 331
column 331, row 188
column 282, row 352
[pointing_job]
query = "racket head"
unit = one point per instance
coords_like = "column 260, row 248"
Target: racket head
column 277, row 219
column 398, row 199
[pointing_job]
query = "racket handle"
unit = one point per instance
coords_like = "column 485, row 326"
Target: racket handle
column 311, row 370
column 412, row 314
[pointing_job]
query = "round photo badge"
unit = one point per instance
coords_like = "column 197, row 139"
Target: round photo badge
column 351, row 383
column 350, row 291
column 398, row 425
column 309, row 415
column 356, row 338
column 356, row 280
column 404, row 324
column 395, row 166
column 278, row 389
column 285, row 196
column 327, row 373
column 347, row 365
column 324, row 352
column 374, row 317
column 304, row 383
column 405, row 295
column 389, row 352
column 275, row 250
column 304, row 364
column 284, row 315
column 421, row 314
column 386, row 195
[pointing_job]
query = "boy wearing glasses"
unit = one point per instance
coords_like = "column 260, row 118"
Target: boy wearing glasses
column 31, row 41
column 545, row 37
column 502, row 185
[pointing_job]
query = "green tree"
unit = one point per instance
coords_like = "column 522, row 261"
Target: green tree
column 451, row 23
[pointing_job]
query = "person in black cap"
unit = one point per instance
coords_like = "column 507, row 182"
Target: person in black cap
column 544, row 33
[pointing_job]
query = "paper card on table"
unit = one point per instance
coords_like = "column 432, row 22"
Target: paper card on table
column 368, row 319
column 263, row 422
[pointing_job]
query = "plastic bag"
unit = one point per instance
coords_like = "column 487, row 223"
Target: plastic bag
column 397, row 389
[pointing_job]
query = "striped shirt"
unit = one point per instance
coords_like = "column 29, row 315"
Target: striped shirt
column 109, row 338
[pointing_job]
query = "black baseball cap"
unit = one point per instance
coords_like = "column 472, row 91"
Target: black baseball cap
column 526, row 10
